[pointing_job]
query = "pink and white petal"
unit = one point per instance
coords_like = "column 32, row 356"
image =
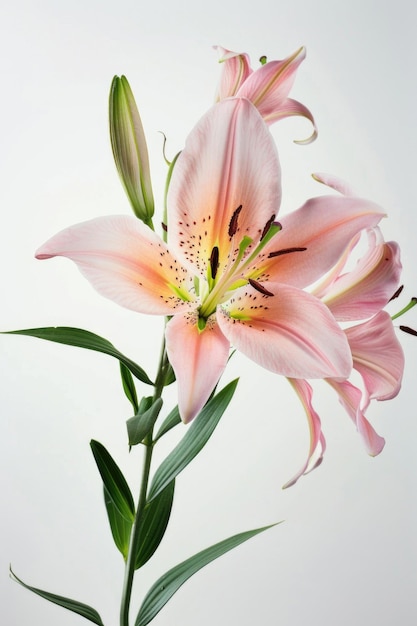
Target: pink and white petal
column 291, row 108
column 334, row 182
column 235, row 70
column 325, row 226
column 317, row 441
column 369, row 286
column 325, row 285
column 270, row 85
column 125, row 261
column 229, row 160
column 289, row 333
column 198, row 359
column 355, row 403
column 377, row 356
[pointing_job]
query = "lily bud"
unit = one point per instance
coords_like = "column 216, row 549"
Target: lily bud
column 129, row 149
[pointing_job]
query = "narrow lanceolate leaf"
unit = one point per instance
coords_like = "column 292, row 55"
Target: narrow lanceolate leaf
column 72, row 605
column 83, row 339
column 171, row 581
column 154, row 523
column 171, row 420
column 129, row 386
column 142, row 423
column 194, row 440
column 119, row 526
column 114, row 481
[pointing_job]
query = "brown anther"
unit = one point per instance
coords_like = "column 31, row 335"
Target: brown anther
column 214, row 261
column 409, row 330
column 233, row 221
column 164, row 227
column 267, row 226
column 259, row 287
column 397, row 293
column 271, row 255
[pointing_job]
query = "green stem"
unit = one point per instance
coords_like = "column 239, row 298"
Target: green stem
column 134, row 536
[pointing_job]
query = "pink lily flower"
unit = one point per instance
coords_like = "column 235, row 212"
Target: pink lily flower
column 267, row 87
column 376, row 352
column 229, row 274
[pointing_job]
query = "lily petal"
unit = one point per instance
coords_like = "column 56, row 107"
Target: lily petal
column 235, row 70
column 366, row 290
column 125, row 261
column 198, row 359
column 325, row 226
column 377, row 356
column 229, row 161
column 334, row 182
column 291, row 108
column 269, row 86
column 317, row 440
column 290, row 333
column 355, row 404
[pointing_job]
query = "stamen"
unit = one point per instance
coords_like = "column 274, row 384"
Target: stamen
column 409, row 330
column 267, row 226
column 260, row 287
column 214, row 261
column 271, row 255
column 409, row 306
column 397, row 293
column 201, row 323
column 233, row 221
column 164, row 227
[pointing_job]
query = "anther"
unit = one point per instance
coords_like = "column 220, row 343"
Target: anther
column 233, row 221
column 214, row 261
column 267, row 226
column 259, row 287
column 164, row 227
column 397, row 293
column 409, row 330
column 271, row 255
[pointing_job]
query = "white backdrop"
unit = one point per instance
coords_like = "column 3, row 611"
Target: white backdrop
column 347, row 551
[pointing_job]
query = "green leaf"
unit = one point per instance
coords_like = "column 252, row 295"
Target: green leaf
column 171, row 581
column 72, row 605
column 120, row 527
column 114, row 481
column 154, row 523
column 173, row 419
column 194, row 440
column 83, row 339
column 142, row 423
column 129, row 386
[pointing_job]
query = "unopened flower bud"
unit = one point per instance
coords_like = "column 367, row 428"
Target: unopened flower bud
column 129, row 148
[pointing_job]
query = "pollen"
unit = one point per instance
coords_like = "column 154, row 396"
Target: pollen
column 271, row 255
column 259, row 287
column 233, row 224
column 267, row 226
column 214, row 261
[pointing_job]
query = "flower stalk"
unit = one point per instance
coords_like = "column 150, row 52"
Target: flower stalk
column 143, row 490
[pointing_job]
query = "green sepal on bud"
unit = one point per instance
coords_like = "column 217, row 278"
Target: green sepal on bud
column 129, row 149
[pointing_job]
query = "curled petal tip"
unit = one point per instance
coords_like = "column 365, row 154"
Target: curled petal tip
column 334, row 183
column 305, row 142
